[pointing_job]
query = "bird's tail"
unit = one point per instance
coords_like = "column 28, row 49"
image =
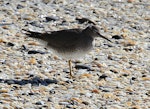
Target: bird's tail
column 33, row 34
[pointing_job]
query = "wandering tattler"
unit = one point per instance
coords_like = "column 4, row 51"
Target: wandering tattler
column 71, row 43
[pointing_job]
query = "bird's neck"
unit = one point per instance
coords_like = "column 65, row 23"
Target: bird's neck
column 87, row 32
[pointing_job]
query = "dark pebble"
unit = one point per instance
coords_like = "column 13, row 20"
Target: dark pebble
column 31, row 75
column 117, row 37
column 1, row 80
column 109, row 45
column 148, row 93
column 19, row 6
column 15, row 87
column 51, row 18
column 85, row 102
column 50, row 81
column 35, row 52
column 49, row 99
column 38, row 103
column 133, row 78
column 103, row 107
column 31, row 93
column 114, row 71
column 137, row 27
column 66, row 70
column 23, row 48
column 82, row 67
column 105, row 91
column 45, row 106
column 36, row 24
column 103, row 76
column 69, row 81
column 52, row 91
column 73, row 102
column 83, row 20
column 130, row 93
column 10, row 44
column 95, row 59
column 125, row 75
column 143, row 75
column 127, row 49
column 132, row 62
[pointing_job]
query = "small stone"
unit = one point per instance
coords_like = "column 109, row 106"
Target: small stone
column 129, row 43
column 86, row 75
column 130, row 1
column 27, row 17
column 146, row 78
column 77, row 99
column 2, row 41
column 127, row 49
column 117, row 37
column 95, row 91
column 108, row 95
column 19, row 6
column 3, row 91
column 103, row 76
column 5, row 27
column 133, row 78
column 10, row 44
column 35, row 52
column 32, row 61
column 104, row 89
column 36, row 24
column 46, row 1
column 148, row 93
column 114, row 70
column 51, row 81
column 33, row 43
column 49, row 99
column 85, row 102
column 64, row 103
column 83, row 20
column 39, row 103
column 51, row 18
column 82, row 67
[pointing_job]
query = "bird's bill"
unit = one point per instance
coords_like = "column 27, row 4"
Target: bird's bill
column 104, row 37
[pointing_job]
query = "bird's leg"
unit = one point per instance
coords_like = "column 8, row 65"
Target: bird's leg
column 70, row 68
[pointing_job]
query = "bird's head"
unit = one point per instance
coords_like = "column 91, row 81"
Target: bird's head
column 93, row 31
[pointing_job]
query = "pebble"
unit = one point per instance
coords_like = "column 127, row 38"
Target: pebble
column 51, row 18
column 117, row 37
column 35, row 52
column 39, row 103
column 10, row 44
column 82, row 67
column 103, row 76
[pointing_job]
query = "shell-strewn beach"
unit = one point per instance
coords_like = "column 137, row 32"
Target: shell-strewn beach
column 112, row 76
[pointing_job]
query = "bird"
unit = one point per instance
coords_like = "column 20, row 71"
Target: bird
column 69, row 43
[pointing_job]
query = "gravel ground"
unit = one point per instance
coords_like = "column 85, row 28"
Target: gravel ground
column 112, row 76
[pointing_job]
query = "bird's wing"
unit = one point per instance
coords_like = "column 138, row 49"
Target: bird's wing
column 65, row 38
column 56, row 39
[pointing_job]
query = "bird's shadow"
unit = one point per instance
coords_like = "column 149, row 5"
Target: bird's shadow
column 35, row 81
